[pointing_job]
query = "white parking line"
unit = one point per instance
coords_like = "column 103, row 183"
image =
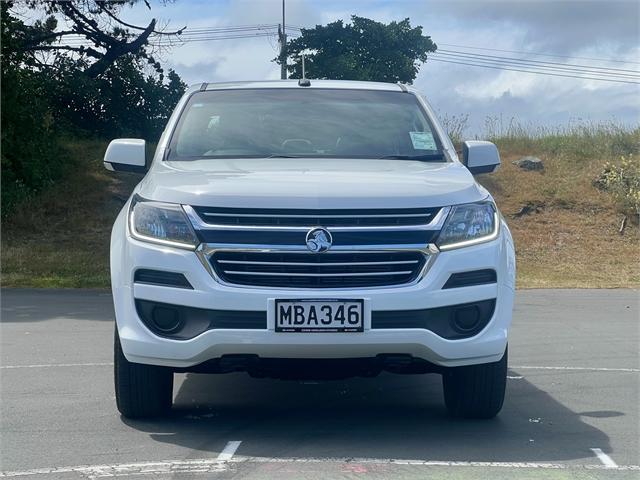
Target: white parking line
column 588, row 369
column 53, row 365
column 606, row 460
column 228, row 451
column 208, row 465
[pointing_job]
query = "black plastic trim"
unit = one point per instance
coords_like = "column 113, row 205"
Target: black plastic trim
column 438, row 320
column 482, row 169
column 195, row 321
column 471, row 278
column 314, row 368
column 162, row 278
column 121, row 167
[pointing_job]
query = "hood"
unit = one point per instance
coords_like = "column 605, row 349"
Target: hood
column 311, row 183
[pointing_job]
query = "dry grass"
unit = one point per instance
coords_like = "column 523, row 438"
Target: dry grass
column 569, row 239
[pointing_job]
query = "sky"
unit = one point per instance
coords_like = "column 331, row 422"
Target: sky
column 588, row 29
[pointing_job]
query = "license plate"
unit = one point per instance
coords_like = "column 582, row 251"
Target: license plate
column 319, row 315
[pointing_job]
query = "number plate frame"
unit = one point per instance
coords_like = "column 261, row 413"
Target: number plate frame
column 320, row 329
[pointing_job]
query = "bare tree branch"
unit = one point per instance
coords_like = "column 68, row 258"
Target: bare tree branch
column 84, row 50
column 136, row 27
column 117, row 49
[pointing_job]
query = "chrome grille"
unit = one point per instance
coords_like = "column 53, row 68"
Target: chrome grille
column 268, row 247
column 309, row 270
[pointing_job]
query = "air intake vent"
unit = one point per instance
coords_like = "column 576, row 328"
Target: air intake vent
column 474, row 277
column 158, row 277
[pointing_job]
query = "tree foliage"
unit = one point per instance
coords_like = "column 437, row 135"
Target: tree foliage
column 51, row 92
column 362, row 50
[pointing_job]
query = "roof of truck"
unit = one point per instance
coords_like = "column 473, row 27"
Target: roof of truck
column 337, row 84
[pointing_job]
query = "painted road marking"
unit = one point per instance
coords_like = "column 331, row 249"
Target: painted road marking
column 606, row 460
column 522, row 367
column 53, row 365
column 588, row 369
column 207, row 465
column 228, row 451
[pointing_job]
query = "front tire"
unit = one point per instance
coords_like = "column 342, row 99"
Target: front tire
column 141, row 390
column 476, row 391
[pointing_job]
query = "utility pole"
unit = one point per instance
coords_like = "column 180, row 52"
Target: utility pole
column 282, row 35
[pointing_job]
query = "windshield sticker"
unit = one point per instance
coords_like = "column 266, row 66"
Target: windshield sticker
column 423, row 141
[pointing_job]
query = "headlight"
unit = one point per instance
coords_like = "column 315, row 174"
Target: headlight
column 164, row 223
column 469, row 224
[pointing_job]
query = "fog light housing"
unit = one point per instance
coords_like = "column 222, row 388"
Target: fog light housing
column 466, row 318
column 166, row 319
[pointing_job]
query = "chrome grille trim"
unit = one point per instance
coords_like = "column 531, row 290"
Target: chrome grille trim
column 264, row 215
column 349, row 265
column 324, row 264
column 436, row 223
column 205, row 253
column 289, row 274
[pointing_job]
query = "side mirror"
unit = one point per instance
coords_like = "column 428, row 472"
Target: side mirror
column 126, row 155
column 480, row 157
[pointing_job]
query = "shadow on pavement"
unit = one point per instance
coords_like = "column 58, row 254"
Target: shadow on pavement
column 391, row 416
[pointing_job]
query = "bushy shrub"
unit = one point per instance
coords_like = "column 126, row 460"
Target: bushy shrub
column 31, row 158
column 622, row 181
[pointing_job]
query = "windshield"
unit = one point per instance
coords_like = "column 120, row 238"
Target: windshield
column 297, row 122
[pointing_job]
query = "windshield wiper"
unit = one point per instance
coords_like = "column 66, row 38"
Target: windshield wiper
column 425, row 157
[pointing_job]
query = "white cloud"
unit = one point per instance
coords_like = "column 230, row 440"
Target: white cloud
column 579, row 28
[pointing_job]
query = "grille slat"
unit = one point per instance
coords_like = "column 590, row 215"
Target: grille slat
column 309, row 270
column 244, row 262
column 284, row 274
column 310, row 218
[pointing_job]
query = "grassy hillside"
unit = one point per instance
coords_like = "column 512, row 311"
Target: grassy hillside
column 565, row 229
column 60, row 238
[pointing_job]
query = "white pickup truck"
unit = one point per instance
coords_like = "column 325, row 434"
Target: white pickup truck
column 319, row 229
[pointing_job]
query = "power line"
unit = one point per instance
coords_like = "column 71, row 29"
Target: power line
column 533, row 71
column 522, row 64
column 178, row 40
column 194, row 33
column 539, row 53
column 517, row 60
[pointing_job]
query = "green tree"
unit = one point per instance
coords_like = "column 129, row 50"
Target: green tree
column 362, row 50
column 51, row 90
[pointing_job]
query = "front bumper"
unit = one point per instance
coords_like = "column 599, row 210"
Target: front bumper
column 140, row 345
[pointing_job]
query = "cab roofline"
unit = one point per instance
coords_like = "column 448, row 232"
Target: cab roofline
column 293, row 83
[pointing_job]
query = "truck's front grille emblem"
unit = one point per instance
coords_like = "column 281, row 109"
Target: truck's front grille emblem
column 319, row 240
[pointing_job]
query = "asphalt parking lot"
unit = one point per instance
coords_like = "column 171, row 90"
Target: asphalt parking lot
column 571, row 409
